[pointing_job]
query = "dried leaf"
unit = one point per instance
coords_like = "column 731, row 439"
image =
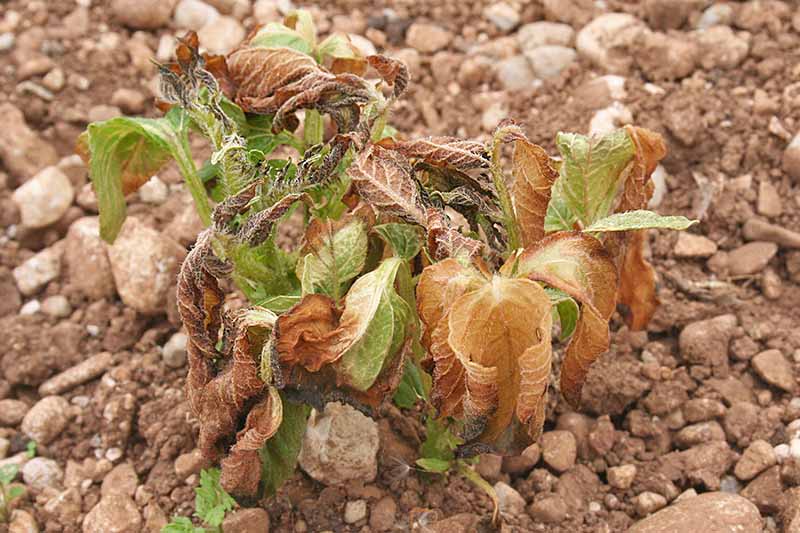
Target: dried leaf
column 383, row 178
column 445, row 241
column 392, row 71
column 461, row 155
column 637, row 288
column 534, row 174
column 305, row 333
column 637, row 220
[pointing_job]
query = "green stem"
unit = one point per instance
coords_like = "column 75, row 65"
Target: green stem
column 509, row 217
column 312, row 128
column 193, row 181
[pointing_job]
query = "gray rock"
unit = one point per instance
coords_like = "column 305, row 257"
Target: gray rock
column 542, row 33
column 86, row 257
column 601, row 40
column 154, row 191
column 716, row 15
column 46, row 419
column 194, row 14
column 712, row 512
column 174, row 351
column 44, row 198
column 355, row 510
column 549, row 60
column 706, row 342
column 427, row 38
column 145, row 264
column 7, row 41
column 22, row 150
column 115, row 513
column 57, row 306
column 515, row 73
column 39, row 270
column 41, row 473
column 340, row 445
column 143, row 14
column 222, row 36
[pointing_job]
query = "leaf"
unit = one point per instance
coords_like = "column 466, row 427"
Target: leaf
column 338, row 251
column 281, row 303
column 445, row 241
column 534, row 174
column 440, row 443
column 412, row 386
column 263, row 271
column 637, row 288
column 306, row 334
column 403, row 238
column 15, row 492
column 8, row 473
column 122, row 154
column 639, row 219
column 279, row 454
column 567, row 310
column 591, row 174
column 211, row 501
column 461, row 155
column 436, row 466
column 301, row 21
column 181, row 524
column 384, row 179
column 500, row 333
column 275, row 34
column 392, row 71
column 578, row 265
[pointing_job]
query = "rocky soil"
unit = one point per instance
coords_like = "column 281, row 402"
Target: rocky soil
column 693, row 424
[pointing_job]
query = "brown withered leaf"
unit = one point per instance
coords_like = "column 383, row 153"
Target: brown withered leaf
column 383, row 178
column 304, row 333
column 579, row 265
column 637, row 288
column 452, row 152
column 534, row 174
column 445, row 241
column 501, row 335
column 392, row 71
column 352, row 65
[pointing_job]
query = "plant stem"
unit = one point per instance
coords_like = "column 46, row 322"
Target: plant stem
column 312, row 128
column 193, row 181
column 509, row 217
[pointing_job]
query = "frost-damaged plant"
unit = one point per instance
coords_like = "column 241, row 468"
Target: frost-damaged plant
column 420, row 257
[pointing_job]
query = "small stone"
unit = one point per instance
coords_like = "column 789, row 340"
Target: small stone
column 122, row 479
column 515, row 73
column 22, row 150
column 354, row 511
column 715, row 512
column 551, row 509
column 609, row 119
column 759, row 230
column 665, row 57
column 41, row 473
column 490, row 466
column 706, row 342
column 46, row 419
column 79, row 374
column 511, row 502
column 194, row 15
column 759, row 456
column 252, row 520
column 699, row 433
column 31, row 307
column 12, row 412
column 769, row 200
column 115, row 513
column 174, row 351
column 382, row 517
column 145, row 265
column 775, row 369
column 22, row 522
column 548, row 61
column 7, row 41
column 667, row 14
column 154, row 191
column 721, row 48
column 86, row 258
column 56, row 306
column 44, row 198
column 38, row 271
column 693, row 246
column 790, row 161
column 600, row 41
column 523, row 463
column 702, row 409
column 766, row 490
column 559, row 449
column 503, row 15
column 54, row 80
column 536, row 34
column 222, row 36
column 130, row 101
column 101, row 112
column 718, row 14
column 340, row 445
column 189, row 463
column 649, row 502
column 143, row 14
column 427, row 38
column 621, row 477
column 751, row 258
column 771, row 286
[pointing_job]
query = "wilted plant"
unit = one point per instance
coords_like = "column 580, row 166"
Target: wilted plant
column 419, row 256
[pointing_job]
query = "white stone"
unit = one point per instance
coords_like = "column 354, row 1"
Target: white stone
column 515, row 73
column 221, row 36
column 40, row 473
column 174, row 351
column 659, row 177
column 599, row 40
column 511, row 502
column 39, row 270
column 194, row 14
column 502, row 15
column 57, row 306
column 715, row 15
column 7, row 40
column 609, row 119
column 542, row 33
column 44, row 198
column 31, row 307
column 548, row 61
column 154, row 191
column 782, row 452
column 354, row 511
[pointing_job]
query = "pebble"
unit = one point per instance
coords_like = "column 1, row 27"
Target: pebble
column 130, row 101
column 621, row 477
column 221, row 36
column 22, row 522
column 427, row 38
column 54, row 80
column 7, row 41
column 699, row 433
column 103, row 112
column 775, row 369
column 57, row 306
column 252, row 520
column 702, row 409
column 551, row 509
column 559, row 449
column 44, row 198
column 693, row 246
column 115, row 513
column 22, row 150
column 31, row 307
column 549, row 60
column 759, row 456
column 706, row 342
column 154, row 191
column 751, row 258
column 174, row 351
column 38, row 270
column 769, row 201
column 515, row 73
column 490, row 466
column 143, row 14
column 759, row 230
column 79, row 374
column 194, row 14
column 523, row 463
column 721, row 48
column 536, row 34
column 382, row 517
column 609, row 119
column 600, row 41
column 716, row 15
column 354, row 511
column 46, row 419
column 340, row 445
column 511, row 502
column 145, row 264
column 86, row 256
column 503, row 15
column 122, row 479
column 41, row 473
column 791, row 159
column 12, row 412
column 649, row 502
column 189, row 463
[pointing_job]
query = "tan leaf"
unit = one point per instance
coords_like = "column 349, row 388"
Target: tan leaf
column 590, row 340
column 384, row 179
column 501, row 334
column 445, row 241
column 450, row 152
column 637, row 287
column 306, row 331
column 534, row 175
column 392, row 71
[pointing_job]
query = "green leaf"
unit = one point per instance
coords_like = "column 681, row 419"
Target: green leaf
column 275, row 34
column 411, row 387
column 8, row 473
column 279, row 453
column 181, row 524
column 30, row 449
column 263, row 271
column 305, row 26
column 589, row 178
column 281, row 303
column 484, row 485
column 336, row 259
column 403, row 238
column 258, row 133
column 640, row 219
column 436, row 466
column 379, row 316
column 567, row 311
column 335, row 45
column 211, row 502
column 440, row 443
column 15, row 492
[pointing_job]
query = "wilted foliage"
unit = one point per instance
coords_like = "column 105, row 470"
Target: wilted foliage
column 428, row 269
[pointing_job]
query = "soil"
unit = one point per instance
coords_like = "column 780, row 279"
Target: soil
column 638, row 401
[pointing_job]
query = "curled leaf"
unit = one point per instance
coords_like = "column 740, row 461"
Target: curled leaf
column 534, row 174
column 445, row 241
column 393, row 72
column 637, row 288
column 306, row 331
column 461, row 155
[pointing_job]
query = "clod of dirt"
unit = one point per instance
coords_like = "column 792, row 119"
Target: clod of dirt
column 253, row 520
column 706, row 342
column 22, row 150
column 115, row 513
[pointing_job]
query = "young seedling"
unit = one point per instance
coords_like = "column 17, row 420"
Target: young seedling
column 211, row 502
column 426, row 271
column 8, row 493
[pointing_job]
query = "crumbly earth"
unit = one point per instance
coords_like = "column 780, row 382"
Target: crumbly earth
column 682, row 402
